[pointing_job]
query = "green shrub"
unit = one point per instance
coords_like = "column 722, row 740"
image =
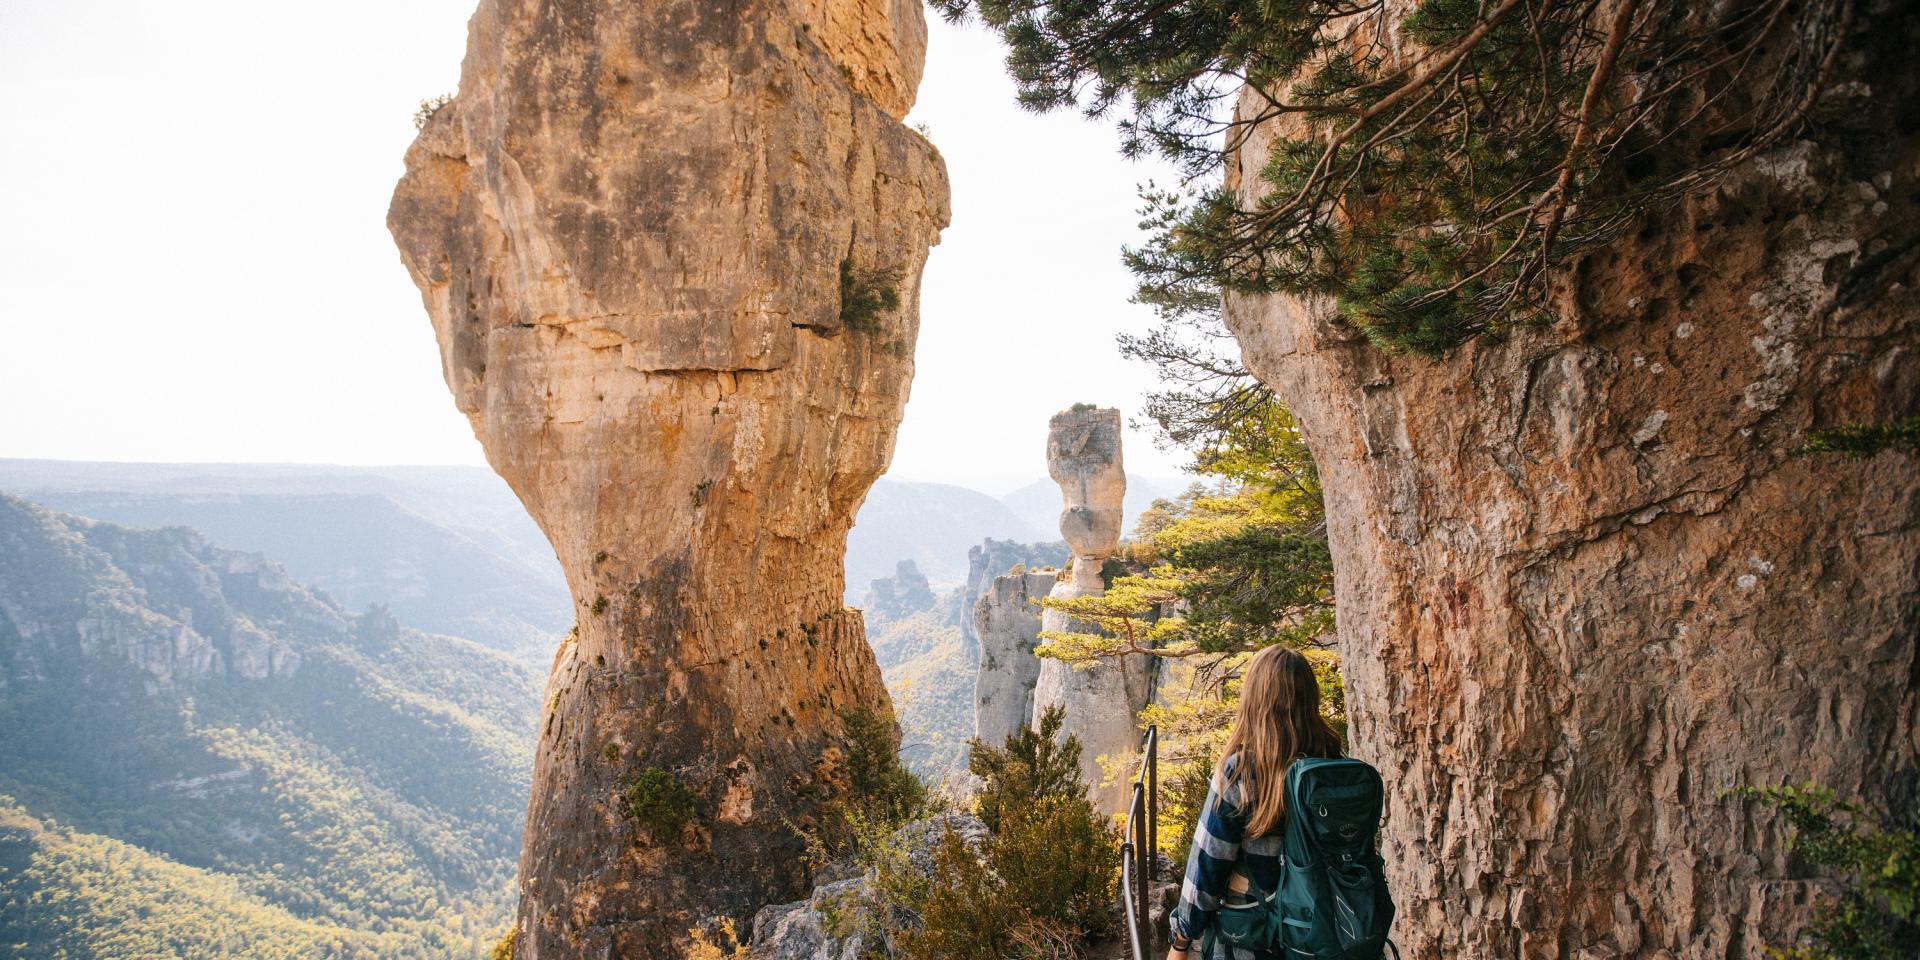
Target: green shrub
column 962, row 915
column 1031, row 764
column 867, row 294
column 503, row 949
column 662, row 804
column 1860, row 441
column 1043, row 880
column 428, row 108
column 1878, row 917
column 877, row 782
column 1058, row 859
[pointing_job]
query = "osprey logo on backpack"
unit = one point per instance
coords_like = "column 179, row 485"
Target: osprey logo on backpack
column 1332, row 903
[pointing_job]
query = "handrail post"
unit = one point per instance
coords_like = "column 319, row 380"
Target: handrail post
column 1153, row 803
column 1141, row 852
column 1139, row 848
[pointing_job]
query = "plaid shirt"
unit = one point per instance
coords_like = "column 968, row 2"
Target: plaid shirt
column 1221, row 849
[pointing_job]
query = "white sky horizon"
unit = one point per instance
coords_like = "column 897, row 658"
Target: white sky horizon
column 194, row 264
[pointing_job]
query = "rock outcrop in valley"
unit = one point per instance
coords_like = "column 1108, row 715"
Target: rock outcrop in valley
column 1006, row 621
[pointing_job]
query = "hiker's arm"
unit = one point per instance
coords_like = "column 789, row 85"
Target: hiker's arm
column 1210, row 864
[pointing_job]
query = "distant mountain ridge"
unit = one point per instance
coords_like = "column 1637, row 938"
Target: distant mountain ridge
column 931, row 524
column 448, row 549
column 200, row 756
column 451, row 550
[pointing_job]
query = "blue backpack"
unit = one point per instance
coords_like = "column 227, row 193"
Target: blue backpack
column 1332, row 903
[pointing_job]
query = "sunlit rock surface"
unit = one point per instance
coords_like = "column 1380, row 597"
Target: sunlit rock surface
column 631, row 231
column 1006, row 619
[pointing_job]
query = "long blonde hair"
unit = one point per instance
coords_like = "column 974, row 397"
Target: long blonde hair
column 1277, row 723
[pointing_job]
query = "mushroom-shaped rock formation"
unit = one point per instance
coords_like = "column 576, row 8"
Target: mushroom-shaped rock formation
column 672, row 253
column 1101, row 701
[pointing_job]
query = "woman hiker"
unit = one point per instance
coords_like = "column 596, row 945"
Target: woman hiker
column 1237, row 843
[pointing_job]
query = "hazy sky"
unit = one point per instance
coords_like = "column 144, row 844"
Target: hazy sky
column 194, row 263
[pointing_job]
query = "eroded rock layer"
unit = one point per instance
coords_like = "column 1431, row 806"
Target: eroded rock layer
column 633, row 230
column 1585, row 586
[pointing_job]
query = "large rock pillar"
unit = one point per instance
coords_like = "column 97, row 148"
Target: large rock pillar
column 1100, row 701
column 637, row 231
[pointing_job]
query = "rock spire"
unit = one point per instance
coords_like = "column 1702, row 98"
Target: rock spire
column 642, row 233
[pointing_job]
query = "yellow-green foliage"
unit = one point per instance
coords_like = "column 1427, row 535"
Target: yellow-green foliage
column 867, row 294
column 721, row 942
column 503, row 948
column 1877, row 915
column 73, row 894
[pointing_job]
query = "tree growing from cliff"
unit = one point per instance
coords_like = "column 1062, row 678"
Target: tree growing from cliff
column 1228, row 569
column 1878, row 916
column 1425, row 163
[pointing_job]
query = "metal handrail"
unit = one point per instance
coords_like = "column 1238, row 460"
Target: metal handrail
column 1139, row 846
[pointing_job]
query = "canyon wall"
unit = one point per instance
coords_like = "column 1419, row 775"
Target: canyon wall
column 1585, row 585
column 641, row 232
column 1006, row 622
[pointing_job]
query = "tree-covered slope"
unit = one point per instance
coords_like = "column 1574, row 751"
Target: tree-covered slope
column 198, row 706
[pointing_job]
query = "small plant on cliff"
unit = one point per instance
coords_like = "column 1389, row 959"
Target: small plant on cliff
column 1865, row 440
column 1878, row 917
column 716, row 940
column 428, row 108
column 661, row 803
column 866, row 294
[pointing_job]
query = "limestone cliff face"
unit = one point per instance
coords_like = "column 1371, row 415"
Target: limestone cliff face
column 632, row 230
column 77, row 593
column 1584, row 586
column 1100, row 702
column 1006, row 620
column 987, row 562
